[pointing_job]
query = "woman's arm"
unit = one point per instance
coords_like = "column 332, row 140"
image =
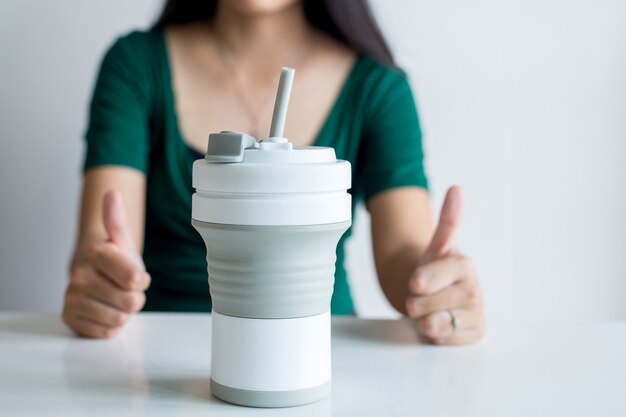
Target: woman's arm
column 130, row 184
column 107, row 275
column 421, row 273
column 401, row 231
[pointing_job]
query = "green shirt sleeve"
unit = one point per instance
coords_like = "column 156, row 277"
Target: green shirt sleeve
column 118, row 128
column 391, row 150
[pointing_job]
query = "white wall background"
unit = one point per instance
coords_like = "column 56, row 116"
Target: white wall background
column 523, row 102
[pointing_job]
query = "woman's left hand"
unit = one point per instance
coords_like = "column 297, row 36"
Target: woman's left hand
column 444, row 293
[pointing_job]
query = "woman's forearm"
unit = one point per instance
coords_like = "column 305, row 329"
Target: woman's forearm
column 401, row 231
column 130, row 183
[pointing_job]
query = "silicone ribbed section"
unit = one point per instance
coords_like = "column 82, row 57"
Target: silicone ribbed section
column 271, row 271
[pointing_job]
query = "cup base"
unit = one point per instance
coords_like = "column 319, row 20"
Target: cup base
column 270, row 399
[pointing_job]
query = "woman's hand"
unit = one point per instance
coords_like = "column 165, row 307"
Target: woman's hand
column 444, row 294
column 107, row 278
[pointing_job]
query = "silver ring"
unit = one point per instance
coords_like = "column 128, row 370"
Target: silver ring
column 454, row 321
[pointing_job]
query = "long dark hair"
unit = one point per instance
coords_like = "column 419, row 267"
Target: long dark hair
column 349, row 21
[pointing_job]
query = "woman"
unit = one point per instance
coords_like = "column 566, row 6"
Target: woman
column 212, row 65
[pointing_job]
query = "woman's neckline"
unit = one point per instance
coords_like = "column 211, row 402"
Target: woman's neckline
column 171, row 94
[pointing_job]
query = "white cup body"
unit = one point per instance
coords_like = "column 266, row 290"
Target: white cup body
column 271, row 253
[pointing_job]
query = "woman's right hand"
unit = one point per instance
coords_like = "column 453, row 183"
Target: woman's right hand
column 107, row 278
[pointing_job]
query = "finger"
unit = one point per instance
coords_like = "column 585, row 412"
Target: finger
column 121, row 268
column 449, row 220
column 114, row 218
column 439, row 325
column 464, row 294
column 463, row 337
column 88, row 328
column 98, row 313
column 102, row 289
column 441, row 273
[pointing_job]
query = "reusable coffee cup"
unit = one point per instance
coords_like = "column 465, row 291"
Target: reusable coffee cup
column 271, row 215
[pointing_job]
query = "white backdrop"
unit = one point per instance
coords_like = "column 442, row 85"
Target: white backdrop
column 522, row 102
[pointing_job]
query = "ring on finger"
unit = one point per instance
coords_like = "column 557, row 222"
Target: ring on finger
column 455, row 322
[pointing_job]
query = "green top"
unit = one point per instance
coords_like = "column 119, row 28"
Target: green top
column 373, row 124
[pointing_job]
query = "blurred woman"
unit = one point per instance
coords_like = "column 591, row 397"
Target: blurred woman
column 207, row 66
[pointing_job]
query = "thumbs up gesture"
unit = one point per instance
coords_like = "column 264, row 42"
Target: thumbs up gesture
column 107, row 279
column 444, row 294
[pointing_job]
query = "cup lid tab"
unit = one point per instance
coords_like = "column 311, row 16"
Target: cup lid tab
column 228, row 146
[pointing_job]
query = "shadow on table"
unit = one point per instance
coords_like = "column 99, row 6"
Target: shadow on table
column 389, row 332
column 35, row 325
column 185, row 394
column 190, row 388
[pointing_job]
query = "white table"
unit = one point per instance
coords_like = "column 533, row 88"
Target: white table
column 159, row 365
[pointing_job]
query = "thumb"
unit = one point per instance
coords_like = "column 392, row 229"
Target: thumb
column 114, row 218
column 449, row 221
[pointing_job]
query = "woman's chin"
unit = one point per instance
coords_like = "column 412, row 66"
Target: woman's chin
column 251, row 7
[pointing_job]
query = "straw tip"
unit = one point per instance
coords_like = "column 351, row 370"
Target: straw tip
column 287, row 70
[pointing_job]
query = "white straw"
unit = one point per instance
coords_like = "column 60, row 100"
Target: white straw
column 282, row 102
